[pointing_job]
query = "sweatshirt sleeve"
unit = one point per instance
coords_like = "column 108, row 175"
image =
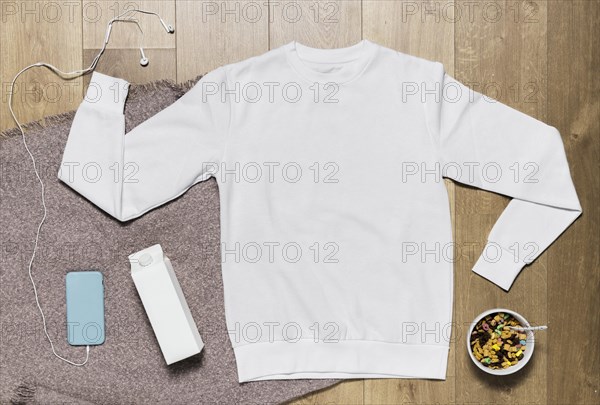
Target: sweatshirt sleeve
column 486, row 144
column 127, row 175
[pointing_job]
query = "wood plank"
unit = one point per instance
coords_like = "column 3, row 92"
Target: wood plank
column 212, row 34
column 420, row 28
column 122, row 56
column 319, row 24
column 574, row 259
column 426, row 30
column 33, row 32
column 501, row 52
column 399, row 391
column 345, row 393
column 97, row 14
column 124, row 63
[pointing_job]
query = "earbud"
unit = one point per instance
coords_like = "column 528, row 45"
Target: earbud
column 169, row 28
column 144, row 61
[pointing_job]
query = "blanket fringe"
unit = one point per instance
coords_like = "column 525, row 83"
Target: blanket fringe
column 163, row 84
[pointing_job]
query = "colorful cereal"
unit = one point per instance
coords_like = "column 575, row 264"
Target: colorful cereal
column 495, row 345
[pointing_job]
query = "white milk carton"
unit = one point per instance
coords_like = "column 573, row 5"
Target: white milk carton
column 165, row 304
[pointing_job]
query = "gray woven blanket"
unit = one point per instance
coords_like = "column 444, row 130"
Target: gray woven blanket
column 129, row 367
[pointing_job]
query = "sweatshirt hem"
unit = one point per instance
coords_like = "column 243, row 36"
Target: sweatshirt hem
column 348, row 359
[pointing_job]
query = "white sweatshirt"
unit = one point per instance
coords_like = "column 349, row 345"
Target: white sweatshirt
column 337, row 253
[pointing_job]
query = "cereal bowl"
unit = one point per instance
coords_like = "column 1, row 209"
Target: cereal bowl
column 494, row 348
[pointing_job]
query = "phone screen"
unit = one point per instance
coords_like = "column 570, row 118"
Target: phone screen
column 85, row 308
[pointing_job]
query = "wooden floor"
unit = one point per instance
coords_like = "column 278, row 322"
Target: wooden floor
column 540, row 57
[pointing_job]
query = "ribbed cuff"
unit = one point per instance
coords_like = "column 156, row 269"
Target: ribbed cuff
column 498, row 265
column 107, row 92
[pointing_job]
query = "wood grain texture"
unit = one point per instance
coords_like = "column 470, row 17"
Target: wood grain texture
column 211, row 34
column 344, row 393
column 421, row 28
column 32, row 32
column 122, row 57
column 574, row 260
column 125, row 63
column 96, row 15
column 324, row 24
column 540, row 57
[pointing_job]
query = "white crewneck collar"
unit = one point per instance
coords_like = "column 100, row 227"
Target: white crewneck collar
column 340, row 65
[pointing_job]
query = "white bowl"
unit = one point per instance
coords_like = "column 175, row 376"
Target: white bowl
column 526, row 356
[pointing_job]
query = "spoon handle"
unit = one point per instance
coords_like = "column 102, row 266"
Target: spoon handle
column 521, row 329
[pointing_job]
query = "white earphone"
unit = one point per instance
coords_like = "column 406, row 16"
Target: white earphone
column 123, row 17
column 144, row 61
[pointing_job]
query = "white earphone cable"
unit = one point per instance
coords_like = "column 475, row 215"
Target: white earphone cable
column 120, row 18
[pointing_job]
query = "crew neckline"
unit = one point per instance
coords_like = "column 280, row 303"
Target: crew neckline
column 356, row 59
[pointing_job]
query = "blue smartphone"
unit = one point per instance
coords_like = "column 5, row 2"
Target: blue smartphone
column 85, row 308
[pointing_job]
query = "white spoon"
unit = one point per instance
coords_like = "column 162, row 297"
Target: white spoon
column 531, row 328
